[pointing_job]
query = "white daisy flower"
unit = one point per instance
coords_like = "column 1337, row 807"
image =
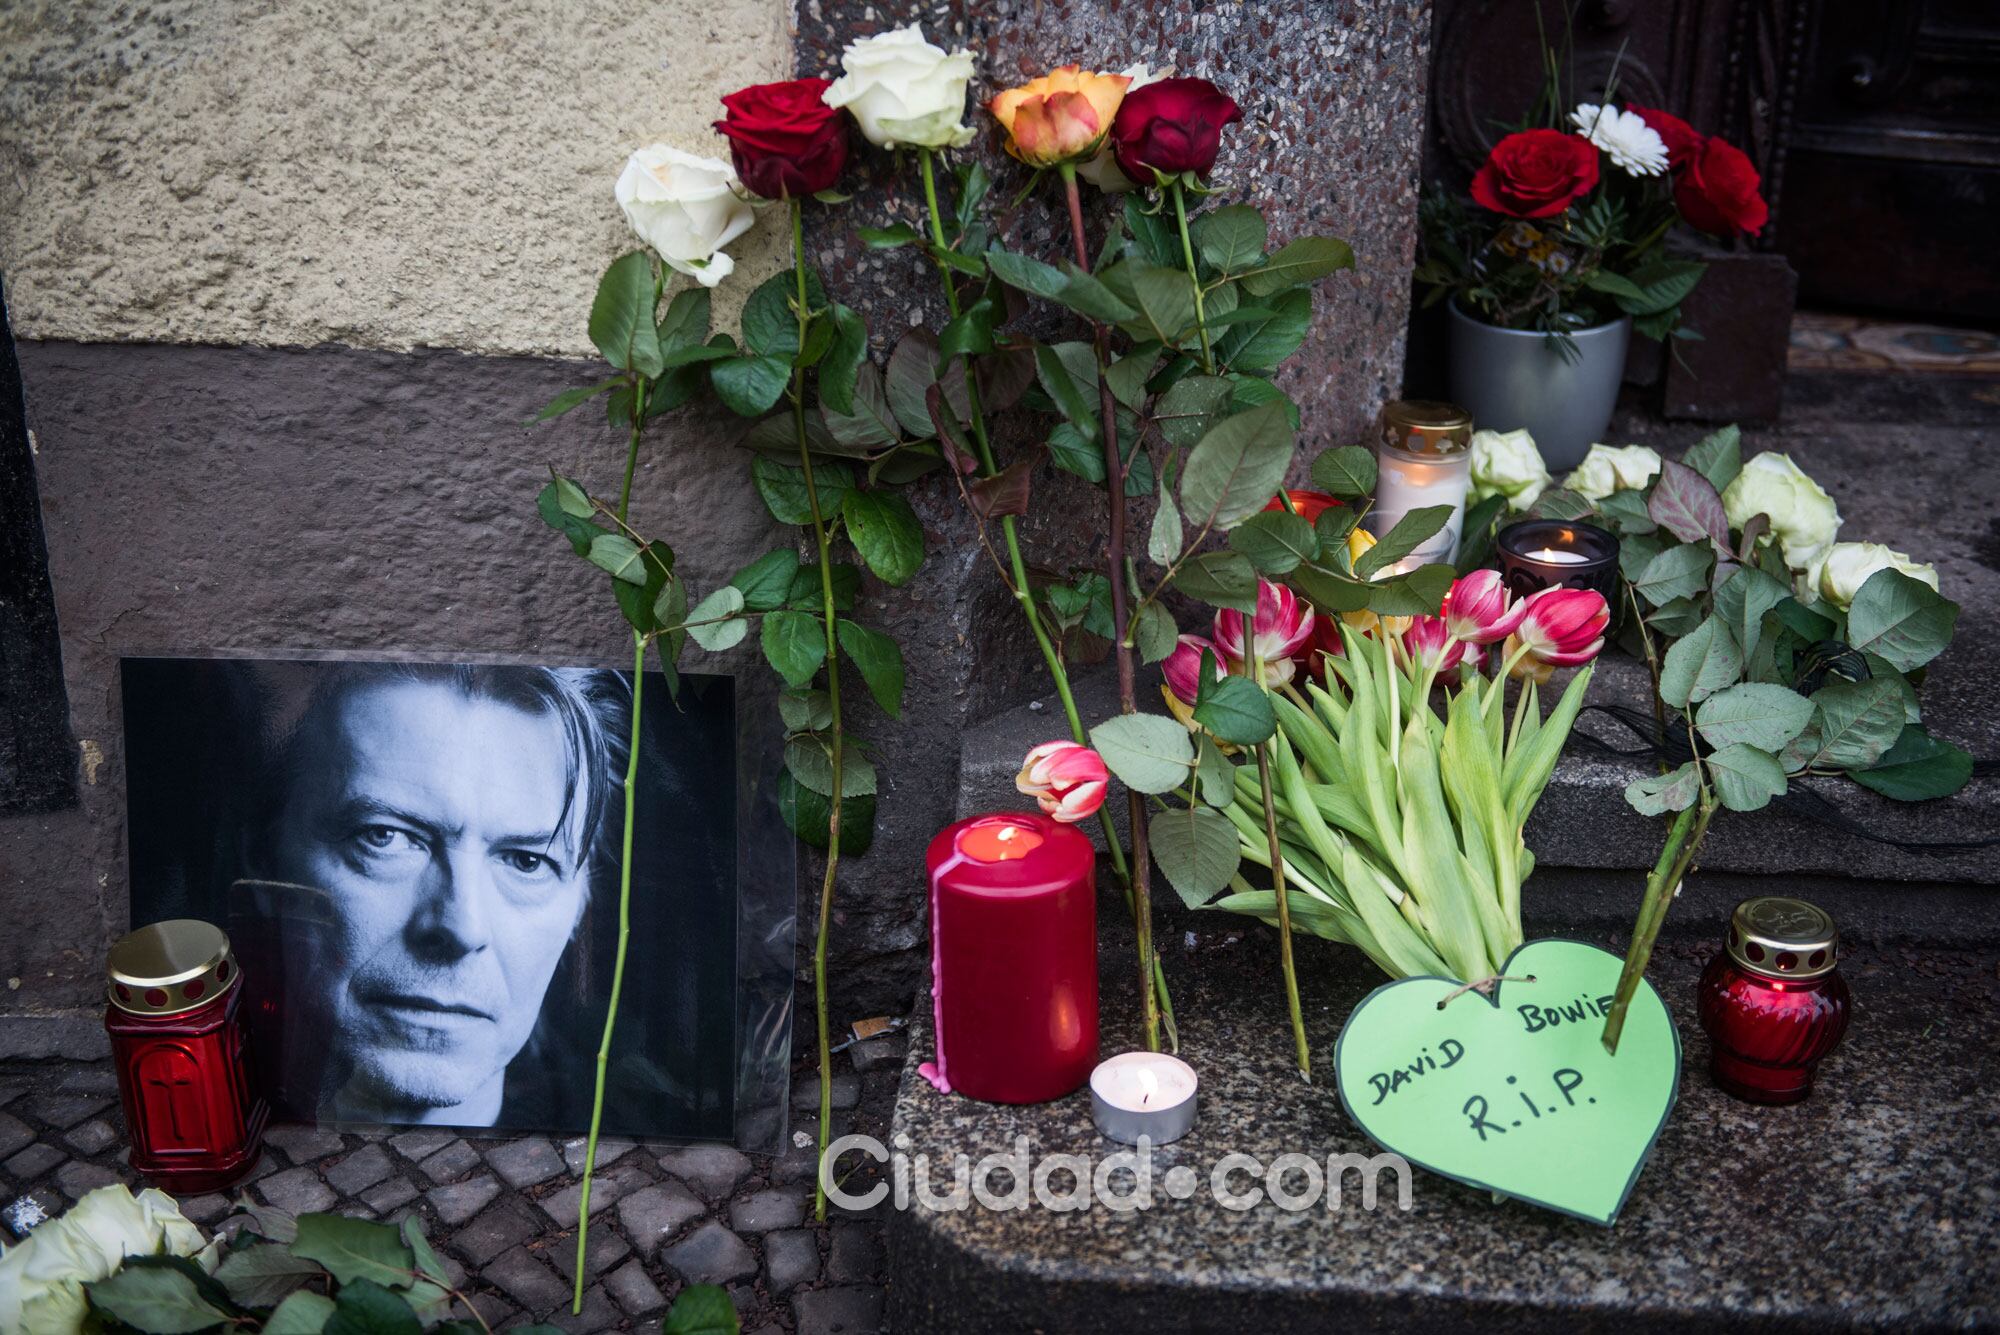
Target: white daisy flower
column 1631, row 143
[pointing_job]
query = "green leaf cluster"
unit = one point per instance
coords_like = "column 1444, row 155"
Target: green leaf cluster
column 1775, row 684
column 286, row 1276
column 833, row 439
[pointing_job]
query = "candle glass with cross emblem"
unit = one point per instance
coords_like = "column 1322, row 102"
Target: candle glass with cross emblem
column 195, row 1119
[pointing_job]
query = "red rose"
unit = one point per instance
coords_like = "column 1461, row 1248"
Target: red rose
column 1309, row 505
column 1172, row 126
column 1536, row 174
column 787, row 143
column 1718, row 191
column 1683, row 141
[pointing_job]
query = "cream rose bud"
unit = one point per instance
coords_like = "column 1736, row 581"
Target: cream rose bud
column 1804, row 519
column 903, row 91
column 1606, row 470
column 686, row 208
column 1848, row 565
column 1506, row 463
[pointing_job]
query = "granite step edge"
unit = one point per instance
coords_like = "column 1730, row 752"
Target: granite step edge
column 1583, row 820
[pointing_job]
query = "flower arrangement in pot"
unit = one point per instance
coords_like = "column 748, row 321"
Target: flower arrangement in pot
column 1560, row 255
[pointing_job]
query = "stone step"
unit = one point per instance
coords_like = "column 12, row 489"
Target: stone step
column 1583, row 819
column 1864, row 1208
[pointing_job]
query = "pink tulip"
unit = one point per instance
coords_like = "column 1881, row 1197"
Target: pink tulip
column 1564, row 627
column 1431, row 646
column 1066, row 779
column 1478, row 609
column 1282, row 626
column 1183, row 667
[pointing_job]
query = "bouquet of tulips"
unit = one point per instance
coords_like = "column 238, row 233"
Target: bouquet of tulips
column 1398, row 824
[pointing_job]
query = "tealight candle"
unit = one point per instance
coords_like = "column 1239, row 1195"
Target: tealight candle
column 1537, row 554
column 1149, row 1094
column 1423, row 459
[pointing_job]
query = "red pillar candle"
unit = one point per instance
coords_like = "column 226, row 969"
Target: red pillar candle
column 1013, row 958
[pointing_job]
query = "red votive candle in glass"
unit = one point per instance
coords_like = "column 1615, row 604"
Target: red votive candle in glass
column 1772, row 1000
column 1013, row 958
column 195, row 1119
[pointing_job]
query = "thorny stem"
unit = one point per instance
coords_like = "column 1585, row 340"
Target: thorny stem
column 1278, row 875
column 839, row 756
column 1024, row 593
column 624, row 917
column 1683, row 844
column 1194, row 278
column 1128, row 700
column 1652, row 657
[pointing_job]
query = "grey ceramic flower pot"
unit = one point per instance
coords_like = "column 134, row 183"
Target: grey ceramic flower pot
column 1512, row 378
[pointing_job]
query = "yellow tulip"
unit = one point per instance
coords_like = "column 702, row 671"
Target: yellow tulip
column 1061, row 117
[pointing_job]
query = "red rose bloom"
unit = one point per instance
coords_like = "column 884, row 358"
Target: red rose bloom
column 787, row 143
column 1172, row 126
column 1536, row 174
column 1718, row 191
column 1683, row 141
column 1310, row 505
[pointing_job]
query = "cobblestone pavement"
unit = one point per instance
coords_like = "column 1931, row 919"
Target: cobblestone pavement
column 503, row 1211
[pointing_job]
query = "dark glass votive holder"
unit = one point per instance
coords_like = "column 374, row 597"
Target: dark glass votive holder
column 1537, row 554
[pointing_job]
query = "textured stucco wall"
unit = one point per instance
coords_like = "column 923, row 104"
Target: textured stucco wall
column 231, row 500
column 379, row 173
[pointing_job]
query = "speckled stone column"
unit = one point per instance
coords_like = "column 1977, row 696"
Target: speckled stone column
column 1333, row 93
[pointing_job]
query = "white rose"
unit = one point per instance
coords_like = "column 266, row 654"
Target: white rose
column 1506, row 463
column 1102, row 170
column 685, row 207
column 42, row 1279
column 1606, row 470
column 1847, row 566
column 1804, row 519
column 903, row 91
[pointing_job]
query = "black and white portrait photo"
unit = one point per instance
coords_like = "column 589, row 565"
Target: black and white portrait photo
column 418, row 867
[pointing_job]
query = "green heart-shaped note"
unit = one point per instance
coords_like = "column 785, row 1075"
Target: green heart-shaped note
column 1516, row 1094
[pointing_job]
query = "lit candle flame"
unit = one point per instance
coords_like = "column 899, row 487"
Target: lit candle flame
column 1149, row 1084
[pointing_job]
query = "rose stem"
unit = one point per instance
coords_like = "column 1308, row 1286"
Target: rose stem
column 1128, row 700
column 833, row 709
column 1278, row 872
column 624, row 859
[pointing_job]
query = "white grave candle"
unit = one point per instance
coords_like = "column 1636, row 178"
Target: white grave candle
column 1422, row 460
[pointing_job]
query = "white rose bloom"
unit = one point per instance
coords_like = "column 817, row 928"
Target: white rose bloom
column 1804, row 519
column 903, row 91
column 1506, row 463
column 686, row 208
column 1102, row 170
column 1848, row 565
column 1624, row 136
column 42, row 1278
column 1606, row 470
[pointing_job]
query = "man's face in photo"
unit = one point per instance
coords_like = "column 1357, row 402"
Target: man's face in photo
column 446, row 829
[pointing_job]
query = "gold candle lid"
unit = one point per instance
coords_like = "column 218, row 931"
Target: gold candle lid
column 169, row 967
column 1775, row 937
column 1426, row 426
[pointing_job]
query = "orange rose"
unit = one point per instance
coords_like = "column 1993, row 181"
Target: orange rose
column 1061, row 117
